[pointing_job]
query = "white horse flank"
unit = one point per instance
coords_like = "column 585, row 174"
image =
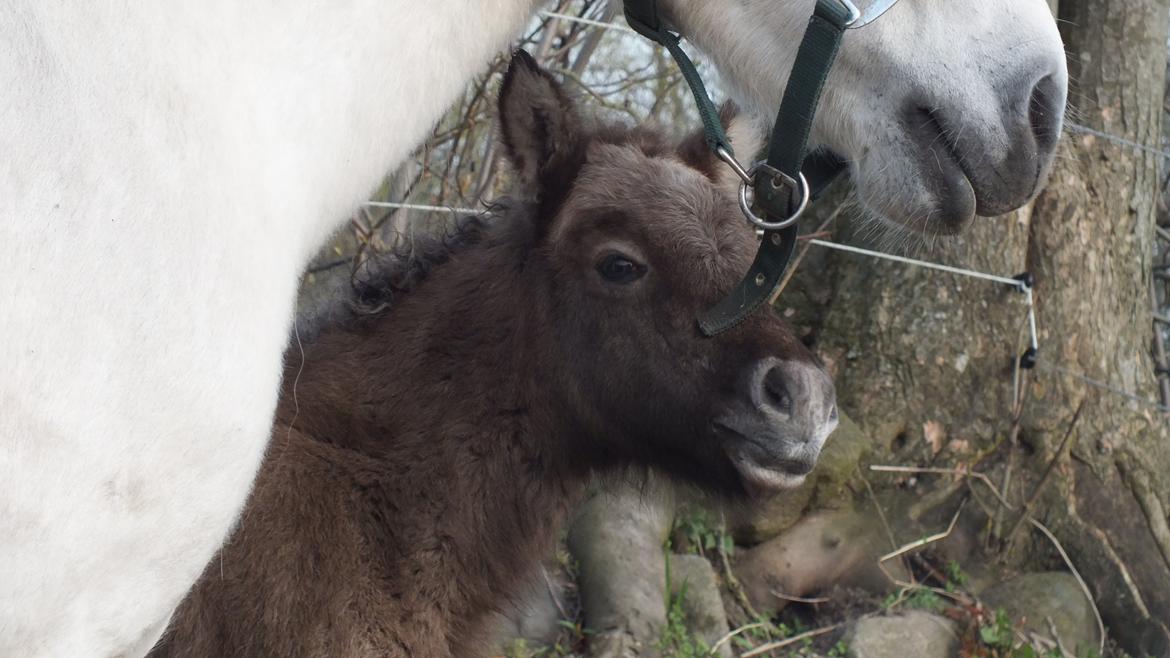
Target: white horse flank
column 168, row 169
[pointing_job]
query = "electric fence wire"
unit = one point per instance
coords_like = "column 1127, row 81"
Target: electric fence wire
column 1018, row 284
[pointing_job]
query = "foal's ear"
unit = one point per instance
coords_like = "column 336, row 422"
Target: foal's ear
column 746, row 135
column 539, row 125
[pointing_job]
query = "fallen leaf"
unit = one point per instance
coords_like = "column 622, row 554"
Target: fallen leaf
column 935, row 435
column 959, row 446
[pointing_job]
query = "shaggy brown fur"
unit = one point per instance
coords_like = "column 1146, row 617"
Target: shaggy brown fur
column 428, row 448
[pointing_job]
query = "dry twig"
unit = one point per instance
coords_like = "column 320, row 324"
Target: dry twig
column 799, row 599
column 982, row 477
column 1056, row 458
column 914, row 545
column 780, row 644
column 727, row 637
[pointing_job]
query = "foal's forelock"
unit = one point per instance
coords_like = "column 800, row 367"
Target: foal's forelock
column 680, row 213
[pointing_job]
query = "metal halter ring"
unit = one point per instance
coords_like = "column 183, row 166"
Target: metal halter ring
column 748, row 178
column 763, row 223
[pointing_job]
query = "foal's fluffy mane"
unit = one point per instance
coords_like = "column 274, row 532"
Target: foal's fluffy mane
column 382, row 279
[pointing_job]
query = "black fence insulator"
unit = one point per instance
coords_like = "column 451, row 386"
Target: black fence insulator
column 1027, row 279
column 1028, row 358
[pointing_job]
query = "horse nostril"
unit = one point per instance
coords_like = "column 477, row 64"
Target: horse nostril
column 776, row 393
column 1045, row 112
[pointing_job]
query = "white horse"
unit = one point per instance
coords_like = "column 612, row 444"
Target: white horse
column 167, row 168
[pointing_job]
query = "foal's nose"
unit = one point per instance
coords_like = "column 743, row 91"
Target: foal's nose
column 796, row 395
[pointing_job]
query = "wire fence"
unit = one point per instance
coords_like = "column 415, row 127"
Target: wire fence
column 1016, row 282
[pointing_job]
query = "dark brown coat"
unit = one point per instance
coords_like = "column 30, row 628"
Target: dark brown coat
column 426, row 451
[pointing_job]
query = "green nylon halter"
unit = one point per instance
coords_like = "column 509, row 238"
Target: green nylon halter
column 642, row 15
column 776, row 180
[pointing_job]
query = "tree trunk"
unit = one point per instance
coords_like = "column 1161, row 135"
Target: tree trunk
column 926, row 359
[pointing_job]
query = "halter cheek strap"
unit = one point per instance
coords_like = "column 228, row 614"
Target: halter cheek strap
column 643, row 17
column 778, row 189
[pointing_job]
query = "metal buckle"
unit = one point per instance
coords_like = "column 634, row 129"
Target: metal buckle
column 747, row 178
column 800, row 185
column 857, row 18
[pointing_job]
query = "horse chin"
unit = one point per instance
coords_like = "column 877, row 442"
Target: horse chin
column 762, row 480
column 922, row 183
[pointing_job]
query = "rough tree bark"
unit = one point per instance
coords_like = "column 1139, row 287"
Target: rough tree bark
column 922, row 356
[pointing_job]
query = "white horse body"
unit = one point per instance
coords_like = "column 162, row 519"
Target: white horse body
column 166, row 170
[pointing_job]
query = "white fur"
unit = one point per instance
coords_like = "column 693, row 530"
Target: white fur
column 166, row 169
column 963, row 57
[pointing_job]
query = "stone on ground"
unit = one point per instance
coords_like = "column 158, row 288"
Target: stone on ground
column 616, row 539
column 822, row 550
column 1032, row 599
column 692, row 577
column 913, row 634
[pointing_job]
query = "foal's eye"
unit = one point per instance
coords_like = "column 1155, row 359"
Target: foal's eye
column 617, row 268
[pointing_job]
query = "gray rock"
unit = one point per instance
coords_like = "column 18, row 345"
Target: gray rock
column 619, row 643
column 822, row 550
column 692, row 577
column 914, row 634
column 1032, row 599
column 617, row 539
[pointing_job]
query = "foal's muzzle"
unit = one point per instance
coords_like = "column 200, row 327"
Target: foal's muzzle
column 775, row 430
